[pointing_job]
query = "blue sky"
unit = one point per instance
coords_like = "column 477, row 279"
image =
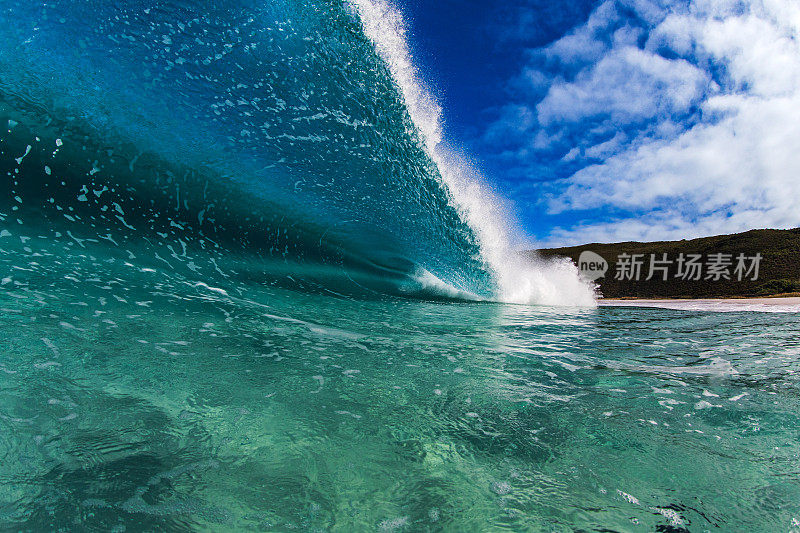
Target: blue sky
column 623, row 119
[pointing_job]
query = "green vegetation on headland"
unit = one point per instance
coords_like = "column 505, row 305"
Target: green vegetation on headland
column 778, row 269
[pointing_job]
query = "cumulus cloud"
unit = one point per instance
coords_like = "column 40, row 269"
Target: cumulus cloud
column 679, row 119
column 626, row 85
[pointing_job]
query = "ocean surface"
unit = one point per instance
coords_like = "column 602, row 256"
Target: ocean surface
column 245, row 284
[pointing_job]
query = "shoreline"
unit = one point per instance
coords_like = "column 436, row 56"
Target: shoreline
column 778, row 301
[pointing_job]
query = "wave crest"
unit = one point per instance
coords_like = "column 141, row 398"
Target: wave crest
column 518, row 279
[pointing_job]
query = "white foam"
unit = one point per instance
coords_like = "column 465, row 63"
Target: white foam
column 518, row 279
column 429, row 282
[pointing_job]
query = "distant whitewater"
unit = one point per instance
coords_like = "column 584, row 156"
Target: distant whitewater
column 284, row 143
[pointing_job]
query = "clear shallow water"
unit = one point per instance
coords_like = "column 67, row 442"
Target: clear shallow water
column 135, row 398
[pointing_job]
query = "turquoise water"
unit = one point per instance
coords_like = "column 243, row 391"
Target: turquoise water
column 134, row 400
column 243, row 286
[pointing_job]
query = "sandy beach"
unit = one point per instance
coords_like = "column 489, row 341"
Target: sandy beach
column 790, row 304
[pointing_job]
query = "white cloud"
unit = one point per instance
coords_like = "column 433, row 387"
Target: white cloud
column 733, row 166
column 608, row 148
column 628, row 85
column 515, row 120
column 585, row 43
column 749, row 160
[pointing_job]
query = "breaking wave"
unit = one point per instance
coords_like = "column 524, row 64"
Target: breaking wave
column 283, row 142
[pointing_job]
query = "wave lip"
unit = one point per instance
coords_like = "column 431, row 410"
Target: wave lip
column 517, row 280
